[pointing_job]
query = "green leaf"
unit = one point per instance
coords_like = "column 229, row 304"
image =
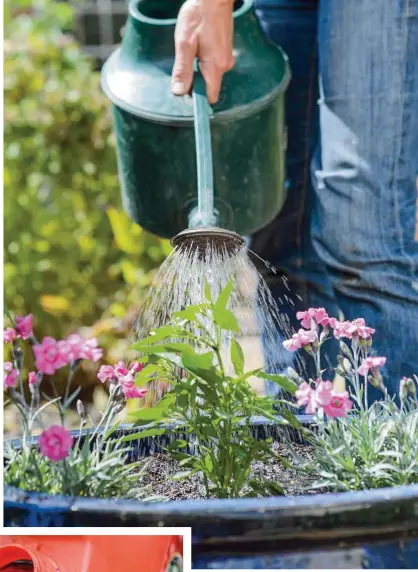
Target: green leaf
column 142, row 434
column 237, row 357
column 201, row 366
column 223, row 298
column 111, row 430
column 225, row 319
column 163, row 333
column 190, row 313
column 159, row 349
column 144, row 375
column 280, row 380
column 151, row 414
column 177, row 444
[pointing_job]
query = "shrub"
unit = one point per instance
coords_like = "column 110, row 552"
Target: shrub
column 71, row 254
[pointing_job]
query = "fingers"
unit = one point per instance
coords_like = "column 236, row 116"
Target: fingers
column 186, row 50
column 213, row 78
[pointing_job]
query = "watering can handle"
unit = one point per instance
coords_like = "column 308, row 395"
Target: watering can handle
column 205, row 215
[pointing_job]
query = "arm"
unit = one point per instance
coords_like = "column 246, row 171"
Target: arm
column 204, row 30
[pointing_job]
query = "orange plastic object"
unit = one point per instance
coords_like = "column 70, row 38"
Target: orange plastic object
column 91, row 553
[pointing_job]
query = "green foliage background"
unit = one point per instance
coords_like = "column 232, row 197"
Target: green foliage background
column 72, row 256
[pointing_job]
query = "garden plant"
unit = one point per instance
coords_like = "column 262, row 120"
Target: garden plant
column 208, row 411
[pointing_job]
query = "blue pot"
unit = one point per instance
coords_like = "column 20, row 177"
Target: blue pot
column 368, row 529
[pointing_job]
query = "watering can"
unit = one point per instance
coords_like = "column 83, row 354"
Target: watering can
column 182, row 163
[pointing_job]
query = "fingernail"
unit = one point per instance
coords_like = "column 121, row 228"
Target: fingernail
column 178, row 88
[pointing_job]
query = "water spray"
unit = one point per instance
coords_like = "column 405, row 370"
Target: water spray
column 203, row 232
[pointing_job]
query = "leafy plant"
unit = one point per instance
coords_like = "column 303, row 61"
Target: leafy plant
column 363, row 447
column 72, row 256
column 368, row 449
column 211, row 401
column 95, row 463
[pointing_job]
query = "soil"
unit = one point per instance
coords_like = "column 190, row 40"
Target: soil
column 161, row 467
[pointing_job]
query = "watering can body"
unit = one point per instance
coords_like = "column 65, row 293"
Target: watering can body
column 154, row 129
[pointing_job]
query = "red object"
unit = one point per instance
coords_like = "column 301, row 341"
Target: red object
column 91, row 553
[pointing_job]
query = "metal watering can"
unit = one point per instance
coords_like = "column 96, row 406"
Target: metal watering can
column 164, row 141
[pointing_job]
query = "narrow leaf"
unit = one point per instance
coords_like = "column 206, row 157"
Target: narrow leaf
column 237, row 357
column 280, row 380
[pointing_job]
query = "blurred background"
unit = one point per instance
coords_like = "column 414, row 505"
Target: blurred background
column 72, row 257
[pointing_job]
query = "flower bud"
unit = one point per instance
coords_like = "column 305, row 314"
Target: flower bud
column 347, row 365
column 119, row 407
column 293, row 375
column 377, row 382
column 412, row 389
column 403, row 389
column 116, row 392
column 18, row 356
column 80, row 410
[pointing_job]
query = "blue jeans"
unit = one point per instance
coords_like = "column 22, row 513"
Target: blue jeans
column 347, row 238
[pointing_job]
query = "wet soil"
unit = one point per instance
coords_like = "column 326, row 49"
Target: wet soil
column 161, row 468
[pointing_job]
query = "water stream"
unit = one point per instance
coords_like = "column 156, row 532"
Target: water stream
column 180, row 282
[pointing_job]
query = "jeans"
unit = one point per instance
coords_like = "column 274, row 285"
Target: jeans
column 347, row 238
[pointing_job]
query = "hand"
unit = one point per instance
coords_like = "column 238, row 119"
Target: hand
column 204, row 30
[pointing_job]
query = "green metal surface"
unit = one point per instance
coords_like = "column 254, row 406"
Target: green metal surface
column 155, row 132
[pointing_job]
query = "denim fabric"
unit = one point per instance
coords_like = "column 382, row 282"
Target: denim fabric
column 347, row 237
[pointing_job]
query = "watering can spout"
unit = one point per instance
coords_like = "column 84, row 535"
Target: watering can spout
column 203, row 234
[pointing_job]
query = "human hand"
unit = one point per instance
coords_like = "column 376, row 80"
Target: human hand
column 204, row 30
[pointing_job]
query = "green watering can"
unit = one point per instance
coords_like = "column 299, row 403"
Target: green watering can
column 165, row 143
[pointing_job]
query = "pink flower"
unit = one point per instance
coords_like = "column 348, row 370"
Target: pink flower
column 120, row 369
column 303, row 394
column 48, row 356
column 124, row 377
column 136, row 367
column 24, row 326
column 339, row 405
column 70, row 348
column 10, row 375
column 9, row 335
column 363, row 331
column 349, row 329
column 371, row 363
column 75, row 348
column 316, row 315
column 90, row 350
column 302, row 338
column 123, row 374
column 323, row 393
column 32, row 378
column 55, row 443
column 131, row 391
column 106, row 372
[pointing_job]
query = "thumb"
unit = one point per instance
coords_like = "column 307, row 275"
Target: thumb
column 182, row 76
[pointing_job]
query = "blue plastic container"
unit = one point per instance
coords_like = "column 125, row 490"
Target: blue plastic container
column 370, row 529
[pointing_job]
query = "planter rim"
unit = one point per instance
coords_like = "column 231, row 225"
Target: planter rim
column 228, row 522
